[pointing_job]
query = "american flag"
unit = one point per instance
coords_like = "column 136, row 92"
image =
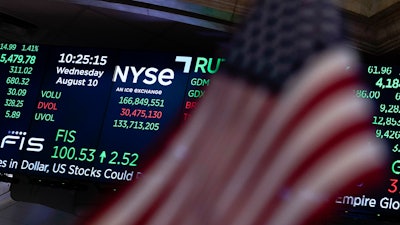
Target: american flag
column 271, row 151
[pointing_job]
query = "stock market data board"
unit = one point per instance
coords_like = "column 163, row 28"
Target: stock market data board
column 91, row 114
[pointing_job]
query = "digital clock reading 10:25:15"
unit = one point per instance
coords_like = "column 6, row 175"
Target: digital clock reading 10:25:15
column 83, row 59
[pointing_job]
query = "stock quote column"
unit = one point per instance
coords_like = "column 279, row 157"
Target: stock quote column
column 387, row 123
column 203, row 68
column 21, row 71
column 383, row 90
column 145, row 101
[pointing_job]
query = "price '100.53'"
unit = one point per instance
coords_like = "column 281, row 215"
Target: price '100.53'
column 89, row 155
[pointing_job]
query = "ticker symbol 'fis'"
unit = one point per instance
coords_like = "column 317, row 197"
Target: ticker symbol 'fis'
column 276, row 135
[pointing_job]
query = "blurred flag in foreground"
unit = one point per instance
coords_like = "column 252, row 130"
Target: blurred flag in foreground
column 275, row 137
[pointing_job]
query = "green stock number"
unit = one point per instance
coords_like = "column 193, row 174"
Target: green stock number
column 88, row 155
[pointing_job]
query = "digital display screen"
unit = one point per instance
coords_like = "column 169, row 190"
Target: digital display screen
column 379, row 201
column 91, row 114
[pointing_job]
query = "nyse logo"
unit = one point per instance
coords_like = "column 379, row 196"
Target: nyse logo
column 151, row 75
column 32, row 144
